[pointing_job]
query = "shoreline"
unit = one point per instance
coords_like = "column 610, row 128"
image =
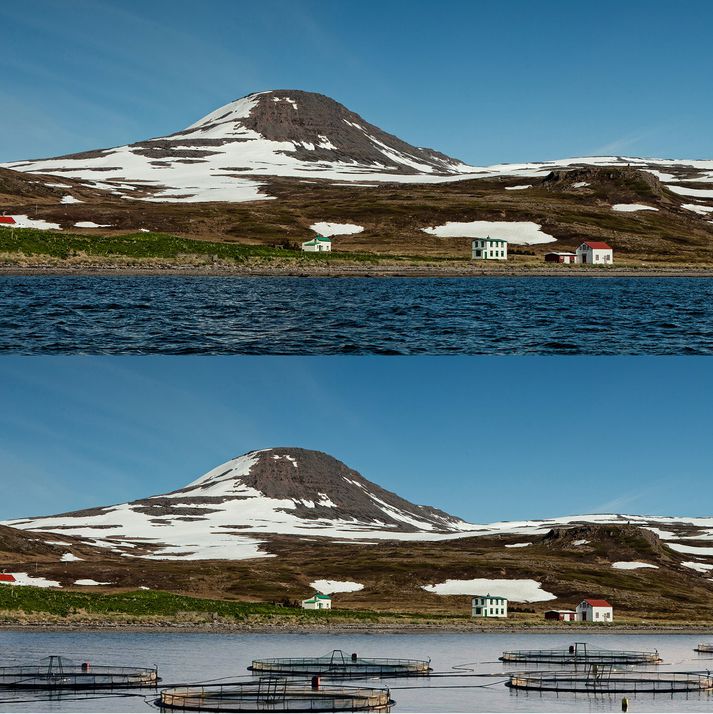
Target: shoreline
column 356, row 629
column 345, row 271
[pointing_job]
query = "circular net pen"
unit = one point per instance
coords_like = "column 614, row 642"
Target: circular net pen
column 581, row 653
column 340, row 665
column 704, row 648
column 606, row 681
column 275, row 695
column 61, row 673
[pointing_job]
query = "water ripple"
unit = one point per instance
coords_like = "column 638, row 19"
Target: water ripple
column 234, row 315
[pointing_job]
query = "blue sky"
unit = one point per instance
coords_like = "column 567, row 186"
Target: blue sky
column 486, row 438
column 483, row 81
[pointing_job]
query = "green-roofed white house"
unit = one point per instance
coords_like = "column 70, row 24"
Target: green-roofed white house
column 489, row 249
column 318, row 602
column 489, row 606
column 320, row 244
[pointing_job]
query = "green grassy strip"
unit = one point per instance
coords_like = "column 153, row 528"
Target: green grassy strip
column 29, row 241
column 158, row 603
column 32, row 600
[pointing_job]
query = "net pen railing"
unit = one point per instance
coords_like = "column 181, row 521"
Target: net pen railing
column 581, row 654
column 613, row 682
column 63, row 675
column 342, row 665
column 275, row 696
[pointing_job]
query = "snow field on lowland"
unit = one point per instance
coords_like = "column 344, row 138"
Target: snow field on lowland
column 523, row 590
column 515, row 232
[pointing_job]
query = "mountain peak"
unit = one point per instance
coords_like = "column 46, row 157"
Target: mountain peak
column 281, row 490
column 284, row 132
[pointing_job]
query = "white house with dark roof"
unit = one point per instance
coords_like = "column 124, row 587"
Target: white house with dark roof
column 489, row 249
column 591, row 610
column 489, row 606
column 318, row 602
column 320, row 244
column 594, row 252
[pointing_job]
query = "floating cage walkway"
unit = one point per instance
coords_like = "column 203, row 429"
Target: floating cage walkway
column 338, row 664
column 706, row 647
column 580, row 653
column 604, row 680
column 275, row 695
column 60, row 673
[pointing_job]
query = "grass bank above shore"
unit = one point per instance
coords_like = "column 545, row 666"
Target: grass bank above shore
column 28, row 251
column 24, row 606
column 161, row 246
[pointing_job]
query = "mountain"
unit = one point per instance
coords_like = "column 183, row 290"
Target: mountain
column 231, row 153
column 274, row 491
column 279, row 523
column 275, row 133
column 237, row 510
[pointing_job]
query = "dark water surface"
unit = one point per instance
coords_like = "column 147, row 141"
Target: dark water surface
column 273, row 315
column 189, row 657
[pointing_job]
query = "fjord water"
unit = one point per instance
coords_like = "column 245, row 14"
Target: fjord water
column 184, row 657
column 284, row 315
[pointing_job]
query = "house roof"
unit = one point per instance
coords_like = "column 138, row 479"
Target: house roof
column 597, row 244
column 559, row 252
column 563, row 612
column 7, row 219
column 7, row 578
column 598, row 603
column 317, row 240
column 318, row 596
column 492, row 597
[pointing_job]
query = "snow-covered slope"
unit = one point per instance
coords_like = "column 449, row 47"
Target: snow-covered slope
column 230, row 154
column 232, row 511
column 276, row 133
column 274, row 491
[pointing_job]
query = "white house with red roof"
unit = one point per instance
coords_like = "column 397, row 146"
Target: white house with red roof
column 594, row 252
column 594, row 611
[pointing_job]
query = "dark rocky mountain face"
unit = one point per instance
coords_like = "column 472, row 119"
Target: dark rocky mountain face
column 322, row 487
column 336, row 133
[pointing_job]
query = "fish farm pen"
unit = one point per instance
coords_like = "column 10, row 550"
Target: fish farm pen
column 580, row 653
column 608, row 681
column 705, row 647
column 338, row 664
column 275, row 695
column 60, row 673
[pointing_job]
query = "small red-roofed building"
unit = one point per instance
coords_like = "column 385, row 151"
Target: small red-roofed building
column 6, row 578
column 593, row 252
column 7, row 221
column 592, row 610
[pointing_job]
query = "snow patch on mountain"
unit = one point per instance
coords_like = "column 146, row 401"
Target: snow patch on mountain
column 698, row 567
column 336, row 229
column 524, row 590
column 328, row 587
column 515, row 232
column 698, row 208
column 631, row 565
column 632, row 207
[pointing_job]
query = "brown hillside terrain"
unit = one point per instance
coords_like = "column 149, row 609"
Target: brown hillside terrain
column 394, row 571
column 394, row 214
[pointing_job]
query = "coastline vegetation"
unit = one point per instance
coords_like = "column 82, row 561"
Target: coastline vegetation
column 165, row 246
